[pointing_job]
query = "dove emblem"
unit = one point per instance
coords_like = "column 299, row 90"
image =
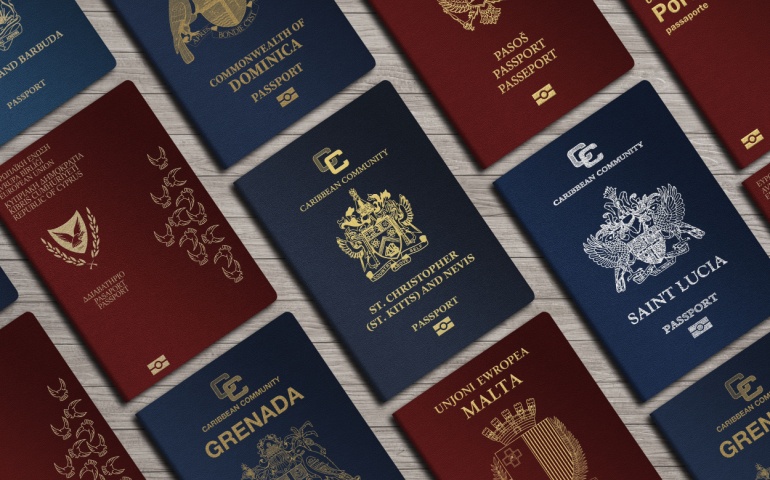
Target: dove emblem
column 67, row 470
column 161, row 162
column 61, row 394
column 109, row 469
column 86, row 427
column 64, row 432
column 73, row 237
column 90, row 467
column 71, row 410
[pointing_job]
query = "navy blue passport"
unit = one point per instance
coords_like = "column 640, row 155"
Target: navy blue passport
column 385, row 240
column 269, row 408
column 643, row 238
column 49, row 52
column 244, row 70
column 8, row 293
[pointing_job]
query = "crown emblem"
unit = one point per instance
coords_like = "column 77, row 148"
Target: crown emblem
column 465, row 12
column 73, row 237
column 10, row 24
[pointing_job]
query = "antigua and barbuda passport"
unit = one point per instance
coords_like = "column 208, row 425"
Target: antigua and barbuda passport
column 129, row 242
column 526, row 408
column 51, row 427
column 502, row 71
column 49, row 52
column 385, row 240
column 244, row 70
column 720, row 426
column 268, row 409
column 643, row 238
column 730, row 39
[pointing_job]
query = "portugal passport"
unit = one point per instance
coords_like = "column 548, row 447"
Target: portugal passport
column 270, row 408
column 643, row 238
column 128, row 241
column 244, row 70
column 385, row 240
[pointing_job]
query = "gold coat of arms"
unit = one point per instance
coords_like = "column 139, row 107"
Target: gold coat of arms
column 10, row 24
column 465, row 12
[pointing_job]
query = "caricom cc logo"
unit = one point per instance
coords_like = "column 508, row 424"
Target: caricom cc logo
column 740, row 387
column 225, row 387
column 327, row 161
column 581, row 155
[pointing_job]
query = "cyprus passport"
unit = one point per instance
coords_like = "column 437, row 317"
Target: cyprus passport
column 51, row 428
column 385, row 240
column 502, row 70
column 730, row 39
column 244, row 70
column 128, row 240
column 643, row 238
column 270, row 408
column 758, row 187
column 49, row 52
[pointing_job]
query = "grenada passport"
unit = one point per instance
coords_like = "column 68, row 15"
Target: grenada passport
column 730, row 38
column 526, row 408
column 502, row 71
column 386, row 241
column 244, row 70
column 51, row 428
column 128, row 241
column 643, row 238
column 270, row 408
column 49, row 52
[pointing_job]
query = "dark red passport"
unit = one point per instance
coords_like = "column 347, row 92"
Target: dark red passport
column 720, row 52
column 758, row 186
column 502, row 70
column 128, row 240
column 526, row 408
column 51, row 428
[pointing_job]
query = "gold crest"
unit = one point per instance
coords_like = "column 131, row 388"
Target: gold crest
column 73, row 237
column 10, row 24
column 465, row 12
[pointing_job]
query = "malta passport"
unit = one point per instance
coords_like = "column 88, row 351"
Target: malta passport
column 49, row 52
column 525, row 408
column 503, row 71
column 732, row 40
column 385, row 240
column 244, row 70
column 51, row 428
column 758, row 186
column 128, row 241
column 643, row 238
column 270, row 408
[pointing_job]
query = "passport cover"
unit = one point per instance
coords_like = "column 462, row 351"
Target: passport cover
column 8, row 293
column 503, row 71
column 720, row 426
column 643, row 238
column 51, row 428
column 758, row 186
column 49, row 52
column 244, row 70
column 128, row 241
column 696, row 37
column 385, row 240
column 526, row 408
column 268, row 409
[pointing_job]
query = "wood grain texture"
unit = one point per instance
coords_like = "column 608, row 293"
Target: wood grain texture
column 391, row 66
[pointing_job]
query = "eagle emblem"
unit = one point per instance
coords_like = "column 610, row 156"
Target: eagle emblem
column 73, row 237
column 648, row 229
column 10, row 24
column 465, row 12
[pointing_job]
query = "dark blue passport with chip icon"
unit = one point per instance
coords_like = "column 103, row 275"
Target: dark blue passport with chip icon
column 385, row 240
column 49, row 52
column 643, row 238
column 269, row 408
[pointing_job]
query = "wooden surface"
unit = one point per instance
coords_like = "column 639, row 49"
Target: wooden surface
column 291, row 297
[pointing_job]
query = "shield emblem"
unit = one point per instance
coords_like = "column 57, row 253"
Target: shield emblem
column 222, row 13
column 73, row 235
column 384, row 238
column 649, row 246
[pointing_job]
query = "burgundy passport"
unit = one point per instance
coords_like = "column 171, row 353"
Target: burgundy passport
column 526, row 408
column 719, row 50
column 128, row 240
column 758, row 186
column 502, row 70
column 51, row 428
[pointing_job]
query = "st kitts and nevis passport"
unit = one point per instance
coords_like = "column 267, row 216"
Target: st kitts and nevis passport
column 526, row 408
column 502, row 71
column 128, row 241
column 49, row 52
column 268, row 409
column 51, row 428
column 244, row 70
column 643, row 238
column 385, row 240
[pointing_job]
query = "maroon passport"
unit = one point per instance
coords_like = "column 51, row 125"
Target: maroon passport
column 51, row 428
column 504, row 70
column 720, row 52
column 128, row 240
column 526, row 408
column 758, row 186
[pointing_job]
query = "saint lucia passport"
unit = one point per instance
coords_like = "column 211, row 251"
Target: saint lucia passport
column 270, row 408
column 51, row 428
column 244, row 70
column 128, row 241
column 502, row 70
column 49, row 52
column 385, row 240
column 643, row 238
